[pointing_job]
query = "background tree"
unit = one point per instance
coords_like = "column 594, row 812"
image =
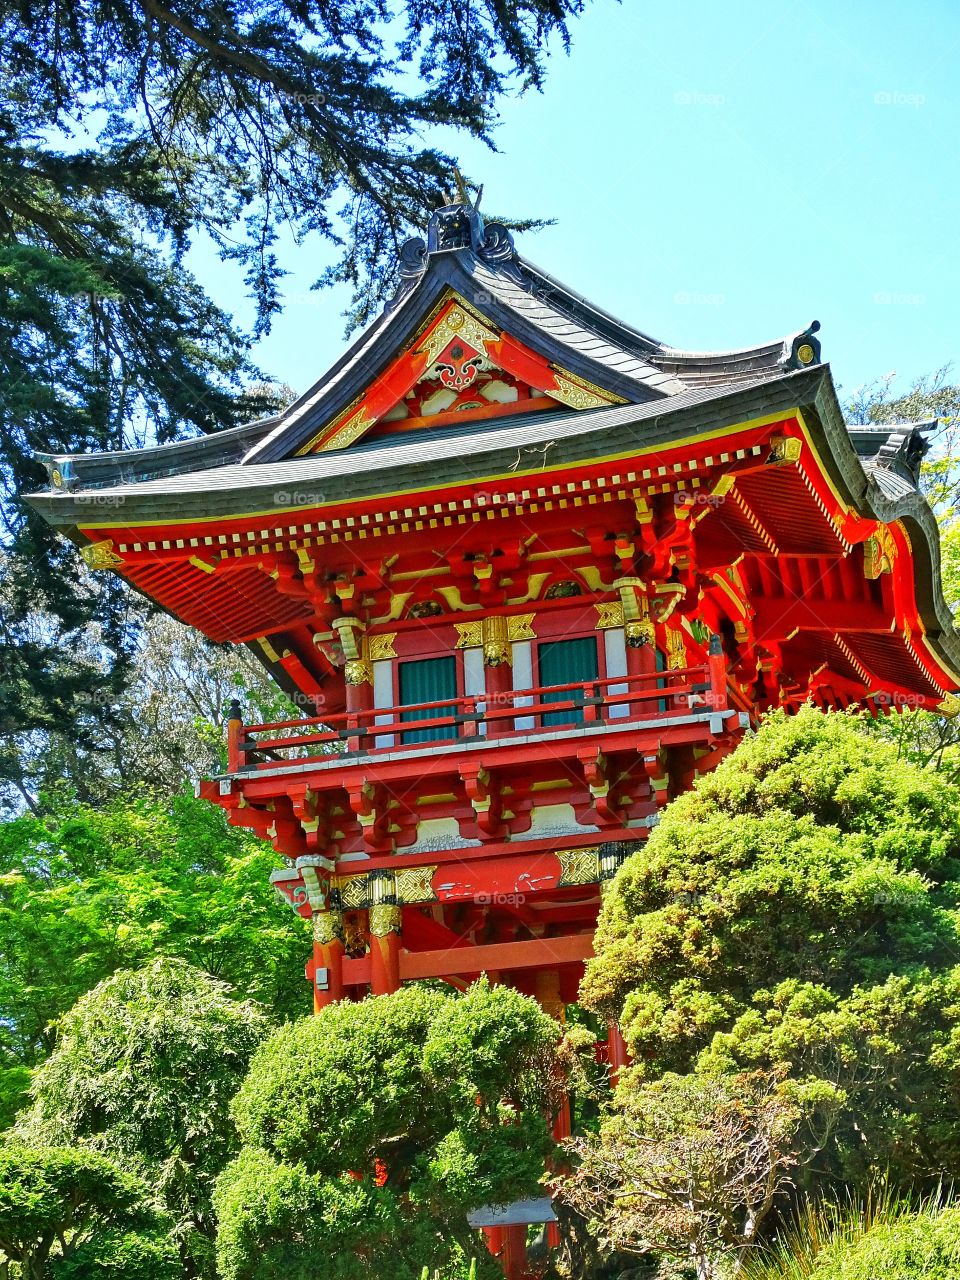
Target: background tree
column 144, row 1071
column 164, row 726
column 59, row 1205
column 101, row 890
column 930, row 739
column 686, row 1167
column 129, row 125
column 796, row 912
column 371, row 1130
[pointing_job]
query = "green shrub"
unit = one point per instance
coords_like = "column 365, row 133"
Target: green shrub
column 882, row 1238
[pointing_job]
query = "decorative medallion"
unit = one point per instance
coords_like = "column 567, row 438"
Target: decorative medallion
column 415, row 884
column 564, row 590
column 457, row 323
column 578, row 866
column 458, row 366
column 101, row 555
column 425, row 609
column 950, row 706
column 879, row 553
column 609, row 614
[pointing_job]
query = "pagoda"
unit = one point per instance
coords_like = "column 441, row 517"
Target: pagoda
column 526, row 572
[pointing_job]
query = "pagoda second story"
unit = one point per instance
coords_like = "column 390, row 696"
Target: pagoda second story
column 526, row 571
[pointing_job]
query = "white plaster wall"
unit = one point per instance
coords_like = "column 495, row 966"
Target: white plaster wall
column 383, row 697
column 523, row 679
column 615, row 648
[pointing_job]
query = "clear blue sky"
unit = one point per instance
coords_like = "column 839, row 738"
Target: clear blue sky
column 722, row 174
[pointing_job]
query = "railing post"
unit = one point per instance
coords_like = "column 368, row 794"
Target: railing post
column 718, row 674
column 234, row 737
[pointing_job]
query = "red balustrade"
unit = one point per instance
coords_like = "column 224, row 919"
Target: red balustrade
column 615, row 700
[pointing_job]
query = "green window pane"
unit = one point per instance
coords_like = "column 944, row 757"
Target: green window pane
column 566, row 662
column 429, row 680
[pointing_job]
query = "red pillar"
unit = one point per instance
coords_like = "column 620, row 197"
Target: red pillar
column 385, row 920
column 617, row 1054
column 641, row 661
column 513, row 1259
column 359, row 699
column 327, row 958
column 498, row 682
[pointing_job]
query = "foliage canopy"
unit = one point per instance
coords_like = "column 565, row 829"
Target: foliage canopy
column 371, row 1130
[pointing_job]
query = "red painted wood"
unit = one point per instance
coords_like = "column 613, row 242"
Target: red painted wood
column 527, row 954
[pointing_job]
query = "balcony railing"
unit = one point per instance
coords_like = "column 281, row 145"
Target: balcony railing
column 616, row 701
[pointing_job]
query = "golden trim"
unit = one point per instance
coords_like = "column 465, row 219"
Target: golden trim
column 356, row 426
column 385, row 917
column 327, row 927
column 609, row 614
column 879, row 553
column 483, row 631
column 578, row 866
column 101, row 555
column 380, row 646
column 457, row 323
column 415, row 884
column 573, row 392
column 469, row 634
column 520, row 627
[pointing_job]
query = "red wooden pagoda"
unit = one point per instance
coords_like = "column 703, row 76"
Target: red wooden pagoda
column 528, row 572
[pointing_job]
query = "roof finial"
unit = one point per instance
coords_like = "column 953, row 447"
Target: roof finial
column 463, row 191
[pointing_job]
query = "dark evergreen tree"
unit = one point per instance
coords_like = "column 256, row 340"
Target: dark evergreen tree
column 124, row 126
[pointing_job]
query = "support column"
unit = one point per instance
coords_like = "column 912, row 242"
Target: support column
column 513, row 1259
column 358, row 682
column 497, row 671
column 617, row 1054
column 385, row 923
column 328, row 952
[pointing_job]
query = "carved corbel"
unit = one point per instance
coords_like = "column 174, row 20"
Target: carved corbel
column 657, row 777
column 315, row 872
column 594, row 765
column 484, row 797
column 368, row 807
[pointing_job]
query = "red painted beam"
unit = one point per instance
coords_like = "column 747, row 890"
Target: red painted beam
column 532, row 953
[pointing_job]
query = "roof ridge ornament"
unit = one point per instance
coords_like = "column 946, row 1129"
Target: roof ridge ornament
column 803, row 349
column 453, row 228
